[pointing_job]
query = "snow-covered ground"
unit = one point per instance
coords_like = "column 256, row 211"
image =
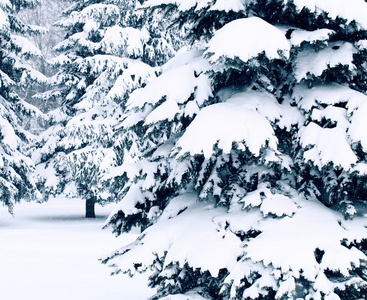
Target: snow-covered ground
column 50, row 251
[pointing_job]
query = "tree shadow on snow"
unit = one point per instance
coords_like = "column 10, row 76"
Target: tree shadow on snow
column 68, row 218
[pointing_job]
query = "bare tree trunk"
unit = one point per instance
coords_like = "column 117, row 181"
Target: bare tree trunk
column 89, row 208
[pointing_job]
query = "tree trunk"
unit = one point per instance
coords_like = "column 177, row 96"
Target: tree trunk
column 89, row 208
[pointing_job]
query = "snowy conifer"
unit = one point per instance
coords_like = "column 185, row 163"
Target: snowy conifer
column 15, row 115
column 249, row 182
column 45, row 14
column 106, row 54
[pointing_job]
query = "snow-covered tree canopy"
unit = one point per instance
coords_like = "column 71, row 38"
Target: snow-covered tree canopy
column 244, row 162
column 15, row 49
column 107, row 53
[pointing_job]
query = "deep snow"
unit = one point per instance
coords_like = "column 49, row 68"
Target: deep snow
column 50, row 251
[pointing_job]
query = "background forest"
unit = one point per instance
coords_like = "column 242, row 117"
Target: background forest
column 232, row 134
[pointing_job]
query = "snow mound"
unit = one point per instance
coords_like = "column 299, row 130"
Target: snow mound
column 299, row 36
column 329, row 145
column 311, row 62
column 245, row 39
column 330, row 94
column 278, row 205
column 222, row 124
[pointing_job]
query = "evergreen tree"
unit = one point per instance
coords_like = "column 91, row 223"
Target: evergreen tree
column 16, row 115
column 45, row 14
column 108, row 52
column 245, row 160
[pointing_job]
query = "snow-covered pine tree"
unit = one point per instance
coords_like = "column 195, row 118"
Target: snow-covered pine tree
column 15, row 49
column 108, row 52
column 251, row 179
column 44, row 14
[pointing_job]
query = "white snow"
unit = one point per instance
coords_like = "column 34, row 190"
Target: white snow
column 286, row 287
column 50, row 251
column 165, row 96
column 100, row 13
column 115, row 76
column 9, row 136
column 278, row 205
column 237, row 120
column 225, row 5
column 203, row 236
column 245, row 39
column 131, row 199
column 219, row 5
column 129, row 39
column 176, row 84
column 349, row 10
column 298, row 36
column 5, row 3
column 327, row 94
column 183, row 57
column 252, row 199
column 59, row 60
column 361, row 44
column 187, row 296
column 264, row 103
column 358, row 125
column 332, row 144
column 311, row 62
column 90, row 26
column 4, row 24
column 329, row 145
column 179, row 240
column 166, row 110
column 332, row 113
column 287, row 246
